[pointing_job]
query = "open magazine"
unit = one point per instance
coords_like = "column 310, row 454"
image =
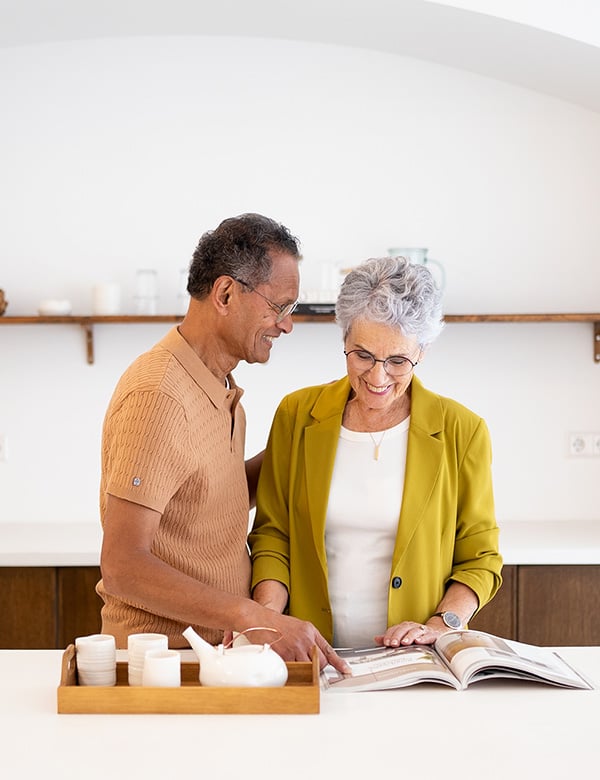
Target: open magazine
column 458, row 658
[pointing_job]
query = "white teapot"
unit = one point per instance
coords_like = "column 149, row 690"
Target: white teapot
column 244, row 666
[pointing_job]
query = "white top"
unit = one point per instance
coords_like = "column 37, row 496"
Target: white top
column 499, row 730
column 361, row 523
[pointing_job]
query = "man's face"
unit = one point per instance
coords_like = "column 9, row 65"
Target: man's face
column 258, row 321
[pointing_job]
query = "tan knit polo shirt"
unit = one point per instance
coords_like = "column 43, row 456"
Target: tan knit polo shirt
column 173, row 440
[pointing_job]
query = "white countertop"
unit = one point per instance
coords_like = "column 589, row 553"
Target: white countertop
column 78, row 544
column 495, row 729
column 537, row 542
column 50, row 544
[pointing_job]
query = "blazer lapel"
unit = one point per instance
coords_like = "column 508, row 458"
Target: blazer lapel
column 423, row 461
column 320, row 446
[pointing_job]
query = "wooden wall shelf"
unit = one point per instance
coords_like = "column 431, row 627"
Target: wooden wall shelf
column 88, row 322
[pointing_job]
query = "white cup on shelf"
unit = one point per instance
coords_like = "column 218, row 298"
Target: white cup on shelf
column 106, row 299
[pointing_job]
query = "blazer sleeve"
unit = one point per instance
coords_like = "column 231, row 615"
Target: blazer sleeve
column 269, row 539
column 477, row 561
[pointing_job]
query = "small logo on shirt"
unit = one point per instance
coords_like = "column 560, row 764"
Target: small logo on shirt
column 136, row 481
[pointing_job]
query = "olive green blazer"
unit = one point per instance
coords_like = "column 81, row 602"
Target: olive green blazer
column 447, row 529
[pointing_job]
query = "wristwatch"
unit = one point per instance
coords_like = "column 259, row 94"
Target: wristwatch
column 451, row 619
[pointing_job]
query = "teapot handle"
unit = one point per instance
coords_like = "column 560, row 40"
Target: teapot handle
column 257, row 628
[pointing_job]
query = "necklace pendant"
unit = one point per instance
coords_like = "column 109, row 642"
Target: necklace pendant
column 376, row 445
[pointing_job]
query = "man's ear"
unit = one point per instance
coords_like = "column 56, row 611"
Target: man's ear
column 222, row 294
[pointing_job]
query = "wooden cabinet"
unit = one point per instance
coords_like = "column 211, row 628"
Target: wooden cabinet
column 559, row 605
column 546, row 605
column 47, row 607
column 27, row 607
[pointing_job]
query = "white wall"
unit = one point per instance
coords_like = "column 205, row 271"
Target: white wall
column 118, row 154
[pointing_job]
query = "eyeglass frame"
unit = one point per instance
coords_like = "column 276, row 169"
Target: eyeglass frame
column 413, row 365
column 282, row 310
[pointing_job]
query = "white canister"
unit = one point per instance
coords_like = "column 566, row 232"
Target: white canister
column 106, row 299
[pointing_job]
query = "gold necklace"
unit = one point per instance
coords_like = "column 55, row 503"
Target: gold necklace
column 377, row 444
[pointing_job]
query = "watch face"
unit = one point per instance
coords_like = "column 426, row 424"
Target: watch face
column 451, row 620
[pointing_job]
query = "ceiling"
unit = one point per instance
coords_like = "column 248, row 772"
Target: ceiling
column 520, row 54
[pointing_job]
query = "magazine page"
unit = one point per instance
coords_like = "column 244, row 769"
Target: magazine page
column 380, row 668
column 475, row 655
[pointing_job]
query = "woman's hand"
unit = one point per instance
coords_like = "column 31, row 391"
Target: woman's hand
column 459, row 598
column 409, row 633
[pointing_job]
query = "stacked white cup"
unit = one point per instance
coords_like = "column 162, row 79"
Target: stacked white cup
column 96, row 659
column 137, row 647
column 162, row 669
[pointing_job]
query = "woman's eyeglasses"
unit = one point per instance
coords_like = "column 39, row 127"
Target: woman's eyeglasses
column 394, row 365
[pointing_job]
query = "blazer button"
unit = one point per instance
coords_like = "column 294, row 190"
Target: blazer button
column 396, row 582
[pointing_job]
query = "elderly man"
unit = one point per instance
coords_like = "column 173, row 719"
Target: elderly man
column 175, row 490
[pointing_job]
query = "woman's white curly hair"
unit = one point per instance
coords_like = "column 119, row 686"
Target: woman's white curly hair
column 395, row 292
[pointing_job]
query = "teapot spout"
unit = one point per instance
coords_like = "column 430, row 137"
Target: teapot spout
column 201, row 647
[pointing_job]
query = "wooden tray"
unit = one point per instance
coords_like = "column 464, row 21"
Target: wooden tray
column 301, row 693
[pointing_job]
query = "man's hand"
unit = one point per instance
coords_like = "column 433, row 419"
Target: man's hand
column 298, row 637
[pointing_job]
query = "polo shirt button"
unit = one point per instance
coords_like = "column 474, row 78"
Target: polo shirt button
column 396, row 582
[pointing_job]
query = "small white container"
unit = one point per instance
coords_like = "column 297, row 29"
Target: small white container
column 54, row 307
column 106, row 299
column 137, row 647
column 96, row 659
column 162, row 669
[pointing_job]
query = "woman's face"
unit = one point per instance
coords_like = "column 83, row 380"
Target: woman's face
column 374, row 388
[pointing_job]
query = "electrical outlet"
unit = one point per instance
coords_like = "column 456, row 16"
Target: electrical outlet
column 580, row 444
column 596, row 444
column 3, row 447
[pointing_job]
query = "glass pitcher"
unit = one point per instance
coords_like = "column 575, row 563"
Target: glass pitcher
column 418, row 255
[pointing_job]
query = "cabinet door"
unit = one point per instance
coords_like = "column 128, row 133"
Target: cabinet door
column 28, row 607
column 499, row 616
column 559, row 605
column 78, row 603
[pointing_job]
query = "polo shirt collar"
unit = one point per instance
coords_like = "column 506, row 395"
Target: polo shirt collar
column 220, row 395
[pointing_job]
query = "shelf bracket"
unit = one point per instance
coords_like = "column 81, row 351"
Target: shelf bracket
column 89, row 341
column 597, row 342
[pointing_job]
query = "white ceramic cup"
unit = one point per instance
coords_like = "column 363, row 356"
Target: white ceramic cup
column 96, row 659
column 106, row 299
column 137, row 647
column 162, row 669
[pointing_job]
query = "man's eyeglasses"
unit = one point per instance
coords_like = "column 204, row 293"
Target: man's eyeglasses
column 394, row 365
column 282, row 311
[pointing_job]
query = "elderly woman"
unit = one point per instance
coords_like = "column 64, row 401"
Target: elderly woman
column 375, row 512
